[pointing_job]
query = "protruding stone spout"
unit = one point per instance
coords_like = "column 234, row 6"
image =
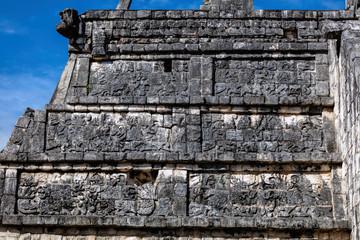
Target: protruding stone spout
column 70, row 21
column 228, row 5
column 124, row 5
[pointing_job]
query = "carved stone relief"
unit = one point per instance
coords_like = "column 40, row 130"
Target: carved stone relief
column 111, row 132
column 100, row 194
column 262, row 133
column 131, row 78
column 261, row 195
column 268, row 195
column 180, row 132
column 279, row 78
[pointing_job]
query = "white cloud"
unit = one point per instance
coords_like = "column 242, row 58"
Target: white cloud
column 6, row 28
column 10, row 27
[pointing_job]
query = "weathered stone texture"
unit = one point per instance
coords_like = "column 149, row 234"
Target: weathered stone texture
column 224, row 122
column 347, row 110
column 185, row 133
column 263, row 195
column 124, row 5
column 212, row 195
column 93, row 194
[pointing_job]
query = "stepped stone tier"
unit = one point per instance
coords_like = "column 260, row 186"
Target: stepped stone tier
column 224, row 122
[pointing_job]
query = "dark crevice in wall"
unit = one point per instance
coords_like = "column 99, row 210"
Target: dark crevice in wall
column 213, row 76
column 291, row 34
column 168, row 65
column 337, row 37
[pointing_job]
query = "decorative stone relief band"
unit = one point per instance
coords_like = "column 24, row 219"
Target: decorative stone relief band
column 174, row 193
column 186, row 132
column 175, row 81
column 99, row 194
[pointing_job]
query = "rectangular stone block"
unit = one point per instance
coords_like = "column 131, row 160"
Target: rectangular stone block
column 8, row 204
column 23, row 122
column 11, row 173
column 10, row 186
column 40, row 116
column 322, row 88
column 80, row 76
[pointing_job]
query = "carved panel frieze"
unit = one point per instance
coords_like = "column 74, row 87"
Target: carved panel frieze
column 102, row 194
column 239, row 78
column 260, row 195
column 262, row 133
column 184, row 132
column 177, row 193
column 114, row 132
column 139, row 79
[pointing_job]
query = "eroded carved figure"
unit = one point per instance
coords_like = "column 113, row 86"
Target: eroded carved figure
column 98, row 194
column 262, row 195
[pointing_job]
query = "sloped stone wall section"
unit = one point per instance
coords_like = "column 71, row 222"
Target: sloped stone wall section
column 347, row 110
column 224, row 122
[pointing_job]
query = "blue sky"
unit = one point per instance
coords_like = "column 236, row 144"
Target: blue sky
column 34, row 54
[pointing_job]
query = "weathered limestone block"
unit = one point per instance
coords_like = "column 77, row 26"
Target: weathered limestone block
column 28, row 135
column 8, row 199
column 124, row 5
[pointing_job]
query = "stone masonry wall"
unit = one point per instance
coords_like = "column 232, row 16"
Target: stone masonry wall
column 224, row 122
column 348, row 122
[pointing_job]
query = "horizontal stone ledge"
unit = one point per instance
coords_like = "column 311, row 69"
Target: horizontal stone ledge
column 175, row 157
column 141, row 102
column 175, row 222
column 161, row 56
column 128, row 166
column 221, row 46
column 203, row 109
column 229, row 14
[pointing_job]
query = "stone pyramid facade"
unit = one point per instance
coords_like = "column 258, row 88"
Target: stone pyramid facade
column 225, row 122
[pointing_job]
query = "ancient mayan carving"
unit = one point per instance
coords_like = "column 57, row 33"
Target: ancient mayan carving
column 224, row 122
column 99, row 194
column 213, row 195
column 264, row 195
